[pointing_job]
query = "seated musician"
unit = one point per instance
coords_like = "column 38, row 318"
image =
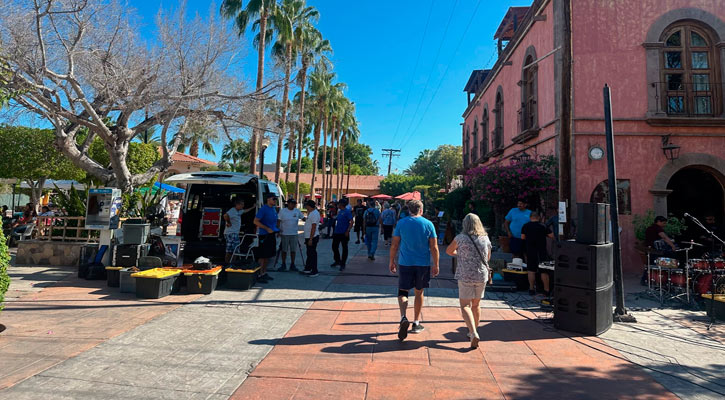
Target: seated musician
column 656, row 238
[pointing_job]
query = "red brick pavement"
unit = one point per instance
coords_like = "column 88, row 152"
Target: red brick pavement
column 350, row 350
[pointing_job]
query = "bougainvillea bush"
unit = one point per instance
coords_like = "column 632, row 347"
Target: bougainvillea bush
column 502, row 186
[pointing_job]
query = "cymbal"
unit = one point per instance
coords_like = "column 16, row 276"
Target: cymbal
column 691, row 243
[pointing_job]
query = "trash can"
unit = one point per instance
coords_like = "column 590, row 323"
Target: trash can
column 136, row 231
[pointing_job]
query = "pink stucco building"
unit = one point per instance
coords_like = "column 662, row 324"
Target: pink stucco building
column 665, row 63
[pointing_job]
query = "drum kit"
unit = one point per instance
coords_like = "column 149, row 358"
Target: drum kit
column 668, row 280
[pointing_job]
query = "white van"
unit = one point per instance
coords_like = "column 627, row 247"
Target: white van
column 208, row 196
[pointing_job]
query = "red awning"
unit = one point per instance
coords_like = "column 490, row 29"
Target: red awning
column 382, row 197
column 355, row 195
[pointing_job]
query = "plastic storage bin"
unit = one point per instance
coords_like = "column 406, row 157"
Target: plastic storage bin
column 136, row 232
column 155, row 283
column 126, row 282
column 113, row 276
column 242, row 279
column 203, row 282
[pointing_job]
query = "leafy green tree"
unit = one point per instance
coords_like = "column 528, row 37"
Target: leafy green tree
column 395, row 184
column 438, row 166
column 141, row 156
column 35, row 159
column 306, row 163
column 360, row 155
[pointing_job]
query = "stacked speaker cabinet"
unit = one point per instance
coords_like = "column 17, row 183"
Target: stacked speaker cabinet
column 584, row 271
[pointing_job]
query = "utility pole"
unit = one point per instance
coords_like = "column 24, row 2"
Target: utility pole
column 390, row 153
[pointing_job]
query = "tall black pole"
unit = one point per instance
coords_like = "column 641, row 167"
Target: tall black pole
column 613, row 204
column 261, row 163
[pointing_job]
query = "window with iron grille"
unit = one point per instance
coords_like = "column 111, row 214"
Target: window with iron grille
column 528, row 111
column 474, row 153
column 498, row 111
column 484, row 132
column 688, row 80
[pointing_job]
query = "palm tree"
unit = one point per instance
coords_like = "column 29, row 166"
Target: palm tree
column 234, row 151
column 310, row 46
column 285, row 21
column 197, row 133
column 351, row 133
column 333, row 106
column 262, row 9
column 347, row 123
column 320, row 85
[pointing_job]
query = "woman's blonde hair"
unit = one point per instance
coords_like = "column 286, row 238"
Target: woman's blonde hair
column 472, row 226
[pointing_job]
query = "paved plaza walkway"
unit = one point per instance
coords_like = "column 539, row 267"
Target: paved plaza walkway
column 334, row 336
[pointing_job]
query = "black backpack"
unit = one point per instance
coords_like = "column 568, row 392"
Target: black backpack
column 370, row 218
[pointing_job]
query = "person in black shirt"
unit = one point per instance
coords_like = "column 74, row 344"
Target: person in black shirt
column 358, row 211
column 534, row 233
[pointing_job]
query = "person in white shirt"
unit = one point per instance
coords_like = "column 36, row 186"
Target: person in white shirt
column 233, row 219
column 288, row 220
column 312, row 236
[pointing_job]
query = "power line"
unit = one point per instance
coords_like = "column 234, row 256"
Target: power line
column 412, row 76
column 390, row 153
column 435, row 61
column 440, row 83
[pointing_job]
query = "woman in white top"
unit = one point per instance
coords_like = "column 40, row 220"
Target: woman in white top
column 473, row 251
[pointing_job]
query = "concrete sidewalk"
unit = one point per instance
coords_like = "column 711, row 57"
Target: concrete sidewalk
column 302, row 337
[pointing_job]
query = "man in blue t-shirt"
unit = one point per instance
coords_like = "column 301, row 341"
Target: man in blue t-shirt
column 341, row 234
column 371, row 218
column 416, row 239
column 266, row 221
column 515, row 220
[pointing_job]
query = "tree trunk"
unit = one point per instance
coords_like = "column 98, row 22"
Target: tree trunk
column 36, row 191
column 349, row 166
column 332, row 158
column 291, row 154
column 342, row 163
column 194, row 149
column 303, row 77
column 285, row 96
column 318, row 126
column 256, row 132
column 324, row 158
column 337, row 173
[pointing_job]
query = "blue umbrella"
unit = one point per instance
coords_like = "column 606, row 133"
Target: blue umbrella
column 168, row 188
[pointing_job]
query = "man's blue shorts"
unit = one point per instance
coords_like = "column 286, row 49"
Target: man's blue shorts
column 413, row 277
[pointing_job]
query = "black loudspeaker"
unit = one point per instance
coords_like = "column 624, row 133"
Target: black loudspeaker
column 592, row 223
column 127, row 255
column 583, row 310
column 585, row 266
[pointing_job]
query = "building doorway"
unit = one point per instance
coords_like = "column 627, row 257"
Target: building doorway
column 696, row 191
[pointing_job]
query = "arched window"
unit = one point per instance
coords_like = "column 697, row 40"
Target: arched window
column 498, row 129
column 528, row 113
column 484, row 132
column 688, row 73
column 474, row 156
column 624, row 197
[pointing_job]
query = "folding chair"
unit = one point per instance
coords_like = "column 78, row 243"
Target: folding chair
column 253, row 239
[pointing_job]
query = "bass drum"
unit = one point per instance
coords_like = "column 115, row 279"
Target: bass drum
column 701, row 283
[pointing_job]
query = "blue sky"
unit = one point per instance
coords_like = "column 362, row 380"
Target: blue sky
column 376, row 46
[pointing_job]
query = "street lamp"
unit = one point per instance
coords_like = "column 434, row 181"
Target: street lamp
column 265, row 144
column 671, row 151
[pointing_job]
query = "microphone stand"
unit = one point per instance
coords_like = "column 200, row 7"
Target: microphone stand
column 711, row 263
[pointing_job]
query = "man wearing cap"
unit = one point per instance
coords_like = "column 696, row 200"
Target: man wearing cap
column 341, row 234
column 288, row 221
column 266, row 221
column 312, row 236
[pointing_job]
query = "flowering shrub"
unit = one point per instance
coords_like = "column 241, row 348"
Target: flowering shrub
column 501, row 186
